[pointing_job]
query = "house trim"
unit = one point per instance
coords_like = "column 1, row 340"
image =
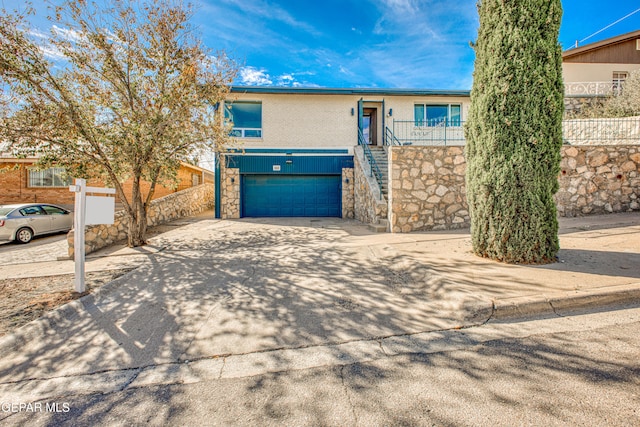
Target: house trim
column 347, row 91
column 575, row 51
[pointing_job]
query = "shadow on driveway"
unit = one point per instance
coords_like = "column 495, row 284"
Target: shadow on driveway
column 221, row 288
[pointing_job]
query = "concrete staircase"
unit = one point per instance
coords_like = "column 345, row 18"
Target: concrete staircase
column 380, row 156
column 382, row 226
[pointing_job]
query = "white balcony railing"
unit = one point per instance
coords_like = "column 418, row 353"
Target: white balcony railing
column 603, row 131
column 592, row 88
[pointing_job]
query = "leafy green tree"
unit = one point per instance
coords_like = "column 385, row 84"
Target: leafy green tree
column 514, row 131
column 122, row 93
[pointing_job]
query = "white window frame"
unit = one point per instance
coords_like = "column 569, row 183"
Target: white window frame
column 238, row 132
column 618, row 78
column 55, row 175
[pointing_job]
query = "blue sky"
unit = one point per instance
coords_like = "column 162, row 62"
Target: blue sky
column 373, row 43
column 370, row 43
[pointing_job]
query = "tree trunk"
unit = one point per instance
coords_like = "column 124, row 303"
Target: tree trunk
column 137, row 217
column 137, row 230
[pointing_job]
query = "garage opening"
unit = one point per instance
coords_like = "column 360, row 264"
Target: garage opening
column 291, row 196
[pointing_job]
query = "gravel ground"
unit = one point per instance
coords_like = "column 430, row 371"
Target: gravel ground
column 24, row 300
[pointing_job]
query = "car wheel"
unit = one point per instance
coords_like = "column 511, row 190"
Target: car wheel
column 24, row 235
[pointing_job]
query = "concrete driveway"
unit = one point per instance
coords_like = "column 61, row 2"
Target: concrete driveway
column 220, row 288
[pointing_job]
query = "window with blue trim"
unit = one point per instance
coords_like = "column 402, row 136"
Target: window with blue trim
column 244, row 118
column 437, row 114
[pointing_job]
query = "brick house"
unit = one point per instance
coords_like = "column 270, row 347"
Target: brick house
column 21, row 182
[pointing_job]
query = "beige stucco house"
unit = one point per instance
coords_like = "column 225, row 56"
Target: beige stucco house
column 600, row 68
column 294, row 147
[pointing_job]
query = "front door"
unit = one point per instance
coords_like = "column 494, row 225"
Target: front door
column 370, row 125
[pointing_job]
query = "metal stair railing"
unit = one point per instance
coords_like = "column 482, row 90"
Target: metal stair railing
column 390, row 138
column 373, row 165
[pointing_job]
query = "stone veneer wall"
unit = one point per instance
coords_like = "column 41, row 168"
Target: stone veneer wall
column 348, row 200
column 599, row 179
column 173, row 206
column 369, row 207
column 427, row 189
column 229, row 191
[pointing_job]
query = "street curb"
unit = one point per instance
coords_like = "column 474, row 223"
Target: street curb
column 553, row 304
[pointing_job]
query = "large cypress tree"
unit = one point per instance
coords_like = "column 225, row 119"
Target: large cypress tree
column 514, row 131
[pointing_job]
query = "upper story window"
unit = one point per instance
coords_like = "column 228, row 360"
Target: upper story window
column 437, row 114
column 52, row 177
column 245, row 118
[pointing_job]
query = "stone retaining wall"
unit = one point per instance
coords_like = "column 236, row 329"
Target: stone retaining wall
column 168, row 208
column 427, row 189
column 599, row 179
column 369, row 206
column 428, row 184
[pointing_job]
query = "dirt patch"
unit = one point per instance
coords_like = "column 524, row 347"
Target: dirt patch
column 24, row 300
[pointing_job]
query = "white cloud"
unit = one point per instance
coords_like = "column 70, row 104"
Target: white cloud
column 51, row 52
column 410, row 43
column 344, row 70
column 402, row 6
column 68, row 34
column 285, row 80
column 255, row 77
column 425, row 48
column 39, row 34
column 306, row 84
column 265, row 10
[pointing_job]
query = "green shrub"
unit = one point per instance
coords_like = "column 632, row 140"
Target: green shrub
column 514, row 131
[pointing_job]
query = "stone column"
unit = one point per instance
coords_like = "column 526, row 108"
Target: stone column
column 348, row 198
column 229, row 192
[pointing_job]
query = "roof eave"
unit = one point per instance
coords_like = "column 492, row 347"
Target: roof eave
column 602, row 43
column 347, row 91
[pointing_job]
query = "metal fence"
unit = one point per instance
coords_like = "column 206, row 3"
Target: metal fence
column 441, row 132
column 592, row 88
column 601, row 131
column 576, row 131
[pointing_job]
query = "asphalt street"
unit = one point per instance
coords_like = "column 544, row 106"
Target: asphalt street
column 575, row 370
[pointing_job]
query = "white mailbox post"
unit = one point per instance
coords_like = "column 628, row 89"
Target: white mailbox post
column 89, row 210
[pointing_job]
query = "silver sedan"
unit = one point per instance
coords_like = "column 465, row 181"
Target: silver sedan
column 22, row 222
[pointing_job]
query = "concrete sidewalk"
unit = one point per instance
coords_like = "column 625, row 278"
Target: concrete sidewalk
column 598, row 264
column 212, row 298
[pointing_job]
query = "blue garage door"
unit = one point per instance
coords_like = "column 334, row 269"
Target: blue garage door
column 291, row 195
